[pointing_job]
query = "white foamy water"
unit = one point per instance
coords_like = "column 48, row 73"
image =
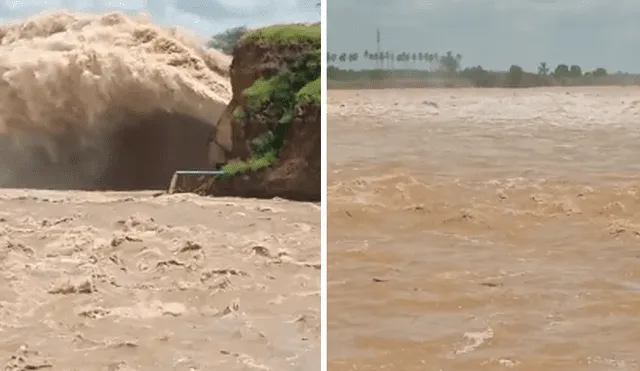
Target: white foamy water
column 104, row 101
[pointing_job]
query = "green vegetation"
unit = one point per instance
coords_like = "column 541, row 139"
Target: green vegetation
column 278, row 34
column 286, row 34
column 227, row 40
column 273, row 99
column 417, row 69
column 239, row 167
column 312, row 92
column 447, row 62
column 238, row 114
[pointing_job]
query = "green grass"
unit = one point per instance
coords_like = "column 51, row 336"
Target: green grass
column 255, row 163
column 264, row 91
column 285, row 34
column 310, row 93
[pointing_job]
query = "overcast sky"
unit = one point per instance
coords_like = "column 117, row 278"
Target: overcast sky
column 494, row 33
column 198, row 18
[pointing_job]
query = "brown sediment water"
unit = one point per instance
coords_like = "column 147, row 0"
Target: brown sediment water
column 136, row 281
column 484, row 229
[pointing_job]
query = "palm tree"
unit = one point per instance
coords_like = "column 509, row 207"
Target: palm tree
column 400, row 58
column 331, row 57
column 543, row 69
column 373, row 57
column 450, row 62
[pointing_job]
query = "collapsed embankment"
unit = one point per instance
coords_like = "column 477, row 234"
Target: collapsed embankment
column 105, row 102
column 269, row 134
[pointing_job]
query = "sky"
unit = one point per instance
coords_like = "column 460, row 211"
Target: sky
column 195, row 15
column 493, row 33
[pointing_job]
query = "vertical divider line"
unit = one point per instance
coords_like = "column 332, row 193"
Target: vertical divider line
column 323, row 194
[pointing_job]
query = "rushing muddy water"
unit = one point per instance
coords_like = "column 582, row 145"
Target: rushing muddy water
column 105, row 102
column 131, row 281
column 484, row 229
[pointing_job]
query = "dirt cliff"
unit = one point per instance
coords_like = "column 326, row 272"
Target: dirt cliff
column 268, row 137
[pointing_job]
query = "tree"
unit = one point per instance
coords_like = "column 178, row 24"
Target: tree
column 428, row 57
column 600, row 72
column 332, row 57
column 575, row 71
column 515, row 76
column 479, row 77
column 450, row 63
column 227, row 40
column 562, row 70
column 543, row 69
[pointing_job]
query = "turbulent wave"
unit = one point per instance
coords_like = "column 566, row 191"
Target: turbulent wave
column 104, row 101
column 391, row 199
column 511, row 217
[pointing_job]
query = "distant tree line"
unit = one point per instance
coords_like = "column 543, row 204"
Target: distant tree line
column 227, row 40
column 448, row 61
column 447, row 67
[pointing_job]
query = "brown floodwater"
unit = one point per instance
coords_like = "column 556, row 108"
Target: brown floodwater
column 477, row 229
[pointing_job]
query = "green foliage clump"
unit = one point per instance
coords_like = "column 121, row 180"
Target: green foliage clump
column 265, row 90
column 515, row 76
column 310, row 93
column 239, row 167
column 239, row 114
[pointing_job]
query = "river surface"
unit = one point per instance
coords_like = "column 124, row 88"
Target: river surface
column 484, row 229
column 140, row 281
